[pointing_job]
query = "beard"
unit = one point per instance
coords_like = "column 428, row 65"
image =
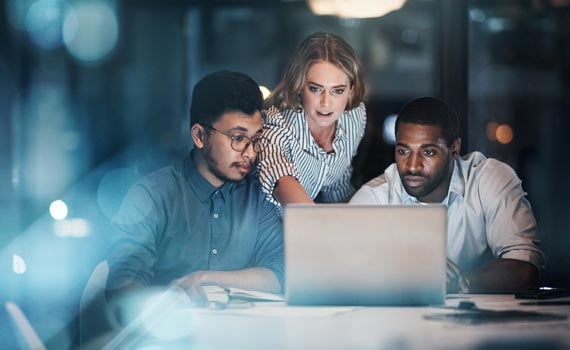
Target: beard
column 214, row 167
column 431, row 182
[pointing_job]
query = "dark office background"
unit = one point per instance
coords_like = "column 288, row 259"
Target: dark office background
column 94, row 94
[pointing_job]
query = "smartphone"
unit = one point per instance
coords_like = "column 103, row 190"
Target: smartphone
column 543, row 293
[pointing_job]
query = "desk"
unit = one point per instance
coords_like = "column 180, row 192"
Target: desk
column 277, row 326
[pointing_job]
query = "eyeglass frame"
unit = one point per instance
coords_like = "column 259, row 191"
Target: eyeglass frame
column 254, row 143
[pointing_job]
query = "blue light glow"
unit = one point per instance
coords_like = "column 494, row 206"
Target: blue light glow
column 91, row 32
column 44, row 21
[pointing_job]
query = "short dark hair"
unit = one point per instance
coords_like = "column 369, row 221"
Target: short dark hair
column 431, row 111
column 222, row 92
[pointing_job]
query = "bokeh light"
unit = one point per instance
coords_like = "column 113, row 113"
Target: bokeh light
column 58, row 210
column 504, row 134
column 44, row 20
column 492, row 130
column 388, row 130
column 265, row 92
column 323, row 7
column 477, row 15
column 77, row 228
column 91, row 32
column 18, row 264
column 16, row 11
column 354, row 8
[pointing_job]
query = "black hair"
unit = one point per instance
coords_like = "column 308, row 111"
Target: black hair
column 431, row 111
column 222, row 92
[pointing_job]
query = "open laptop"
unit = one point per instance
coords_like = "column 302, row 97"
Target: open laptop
column 340, row 254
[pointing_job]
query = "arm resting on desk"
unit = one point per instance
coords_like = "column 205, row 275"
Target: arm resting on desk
column 254, row 278
column 503, row 276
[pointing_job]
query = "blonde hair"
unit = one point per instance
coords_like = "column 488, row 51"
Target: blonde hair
column 318, row 47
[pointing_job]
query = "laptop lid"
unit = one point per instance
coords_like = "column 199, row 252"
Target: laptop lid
column 340, row 254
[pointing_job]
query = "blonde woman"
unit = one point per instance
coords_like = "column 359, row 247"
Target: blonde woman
column 314, row 123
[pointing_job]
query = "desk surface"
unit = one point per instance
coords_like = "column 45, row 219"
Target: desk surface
column 277, row 326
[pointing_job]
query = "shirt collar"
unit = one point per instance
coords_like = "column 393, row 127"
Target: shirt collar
column 407, row 199
column 306, row 137
column 340, row 133
column 307, row 141
column 204, row 190
column 457, row 185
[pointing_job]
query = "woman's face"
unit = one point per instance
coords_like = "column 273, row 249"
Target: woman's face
column 325, row 95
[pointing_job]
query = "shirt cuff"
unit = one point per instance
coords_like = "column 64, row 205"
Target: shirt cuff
column 278, row 272
column 530, row 256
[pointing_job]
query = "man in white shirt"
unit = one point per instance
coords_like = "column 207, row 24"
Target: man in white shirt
column 492, row 238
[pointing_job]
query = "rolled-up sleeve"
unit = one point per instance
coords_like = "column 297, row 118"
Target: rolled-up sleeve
column 512, row 231
column 275, row 162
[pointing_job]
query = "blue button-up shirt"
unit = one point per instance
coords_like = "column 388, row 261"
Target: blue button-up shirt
column 174, row 222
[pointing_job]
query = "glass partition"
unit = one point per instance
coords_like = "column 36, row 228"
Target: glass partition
column 519, row 97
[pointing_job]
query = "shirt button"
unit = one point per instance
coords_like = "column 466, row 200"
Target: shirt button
column 216, row 215
column 214, row 251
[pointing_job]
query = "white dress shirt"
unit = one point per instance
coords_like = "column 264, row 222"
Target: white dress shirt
column 488, row 215
column 292, row 151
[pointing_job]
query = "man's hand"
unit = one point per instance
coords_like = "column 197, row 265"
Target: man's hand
column 192, row 285
column 254, row 278
column 456, row 282
column 504, row 276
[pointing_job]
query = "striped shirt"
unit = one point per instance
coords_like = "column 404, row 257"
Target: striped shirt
column 292, row 151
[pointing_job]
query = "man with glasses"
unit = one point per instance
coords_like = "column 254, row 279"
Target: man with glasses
column 204, row 221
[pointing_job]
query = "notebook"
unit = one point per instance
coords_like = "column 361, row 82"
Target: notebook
column 340, row 254
column 223, row 295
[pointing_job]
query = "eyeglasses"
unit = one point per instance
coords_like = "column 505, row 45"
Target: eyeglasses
column 241, row 142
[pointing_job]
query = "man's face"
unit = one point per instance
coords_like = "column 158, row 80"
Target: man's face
column 221, row 163
column 424, row 161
